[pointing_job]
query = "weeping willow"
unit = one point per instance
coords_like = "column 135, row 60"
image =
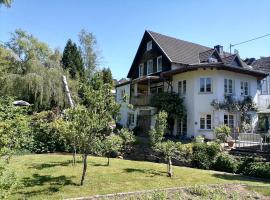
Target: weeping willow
column 30, row 71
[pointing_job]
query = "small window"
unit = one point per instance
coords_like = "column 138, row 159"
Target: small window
column 244, row 88
column 149, row 67
column 131, row 119
column 182, row 87
column 141, row 69
column 229, row 120
column 149, row 46
column 205, row 122
column 205, row 85
column 228, row 86
column 159, row 64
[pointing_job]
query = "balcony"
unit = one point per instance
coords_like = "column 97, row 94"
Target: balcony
column 141, row 100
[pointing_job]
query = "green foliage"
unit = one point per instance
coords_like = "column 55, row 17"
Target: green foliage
column 48, row 132
column 32, row 72
column 72, row 60
column 226, row 162
column 112, row 145
column 156, row 134
column 8, row 181
column 107, row 76
column 222, row 132
column 128, row 139
column 171, row 103
column 185, row 153
column 204, row 154
column 7, row 3
column 256, row 169
column 89, row 52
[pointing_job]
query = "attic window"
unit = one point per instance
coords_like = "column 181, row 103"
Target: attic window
column 149, row 46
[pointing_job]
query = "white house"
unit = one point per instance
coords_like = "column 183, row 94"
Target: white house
column 197, row 73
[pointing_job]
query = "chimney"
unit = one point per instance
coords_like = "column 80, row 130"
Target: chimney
column 219, row 49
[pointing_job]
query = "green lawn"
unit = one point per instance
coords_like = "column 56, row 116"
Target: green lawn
column 53, row 177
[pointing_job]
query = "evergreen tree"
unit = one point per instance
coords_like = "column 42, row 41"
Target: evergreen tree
column 72, row 60
column 107, row 76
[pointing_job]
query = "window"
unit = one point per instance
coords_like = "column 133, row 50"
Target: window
column 182, row 87
column 205, row 122
column 244, row 88
column 205, row 85
column 141, row 69
column 159, row 64
column 229, row 120
column 131, row 118
column 149, row 45
column 182, row 126
column 149, row 67
column 155, row 90
column 228, row 86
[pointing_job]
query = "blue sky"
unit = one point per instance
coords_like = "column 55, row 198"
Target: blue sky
column 120, row 24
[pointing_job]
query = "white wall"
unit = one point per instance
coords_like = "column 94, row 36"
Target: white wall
column 199, row 103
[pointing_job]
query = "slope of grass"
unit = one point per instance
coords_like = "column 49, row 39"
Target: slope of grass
column 53, row 177
column 264, row 190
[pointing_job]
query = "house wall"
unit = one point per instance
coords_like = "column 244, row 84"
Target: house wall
column 200, row 103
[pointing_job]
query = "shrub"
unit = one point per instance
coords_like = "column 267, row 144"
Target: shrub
column 222, row 132
column 256, row 169
column 185, row 153
column 226, row 162
column 204, row 154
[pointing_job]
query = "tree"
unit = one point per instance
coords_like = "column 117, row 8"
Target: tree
column 72, row 60
column 112, row 145
column 89, row 52
column 32, row 72
column 92, row 120
column 7, row 3
column 168, row 149
column 107, row 76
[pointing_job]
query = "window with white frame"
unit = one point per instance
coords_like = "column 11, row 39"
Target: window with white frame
column 159, row 64
column 244, row 88
column 149, row 67
column 205, row 85
column 206, row 122
column 149, row 45
column 228, row 86
column 182, row 87
column 141, row 69
column 229, row 120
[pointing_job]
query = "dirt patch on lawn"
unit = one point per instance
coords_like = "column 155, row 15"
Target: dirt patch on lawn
column 227, row 191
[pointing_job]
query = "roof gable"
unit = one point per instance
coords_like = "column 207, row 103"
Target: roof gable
column 234, row 60
column 206, row 55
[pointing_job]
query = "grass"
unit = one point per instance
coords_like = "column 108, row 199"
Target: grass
column 53, row 177
column 264, row 190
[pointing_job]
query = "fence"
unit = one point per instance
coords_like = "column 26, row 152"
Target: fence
column 252, row 141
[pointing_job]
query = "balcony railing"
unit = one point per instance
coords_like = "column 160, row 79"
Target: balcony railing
column 141, row 100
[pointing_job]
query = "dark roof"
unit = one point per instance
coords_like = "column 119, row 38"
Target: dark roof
column 178, row 51
column 203, row 56
column 262, row 64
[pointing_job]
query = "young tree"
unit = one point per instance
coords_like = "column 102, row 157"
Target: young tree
column 107, row 76
column 72, row 60
column 112, row 145
column 168, row 149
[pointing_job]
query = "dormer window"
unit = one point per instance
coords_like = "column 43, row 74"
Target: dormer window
column 141, row 69
column 149, row 46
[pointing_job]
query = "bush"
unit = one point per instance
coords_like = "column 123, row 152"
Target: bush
column 226, row 162
column 204, row 154
column 257, row 169
column 222, row 133
column 185, row 154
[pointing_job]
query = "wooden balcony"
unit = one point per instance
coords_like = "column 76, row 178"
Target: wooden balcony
column 141, row 100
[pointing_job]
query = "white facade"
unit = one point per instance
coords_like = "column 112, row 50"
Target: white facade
column 198, row 104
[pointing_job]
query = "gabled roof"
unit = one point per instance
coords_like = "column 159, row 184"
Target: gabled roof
column 205, row 55
column 178, row 51
column 262, row 64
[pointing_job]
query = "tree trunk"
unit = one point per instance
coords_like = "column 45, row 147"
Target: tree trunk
column 74, row 155
column 84, row 167
column 170, row 171
column 108, row 162
column 70, row 101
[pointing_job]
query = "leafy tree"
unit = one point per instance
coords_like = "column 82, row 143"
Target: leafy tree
column 128, row 139
column 32, row 72
column 92, row 120
column 222, row 132
column 72, row 60
column 7, row 3
column 168, row 149
column 107, row 76
column 89, row 52
column 112, row 145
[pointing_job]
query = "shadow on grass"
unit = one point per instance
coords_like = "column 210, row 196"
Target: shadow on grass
column 151, row 172
column 235, row 177
column 52, row 164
